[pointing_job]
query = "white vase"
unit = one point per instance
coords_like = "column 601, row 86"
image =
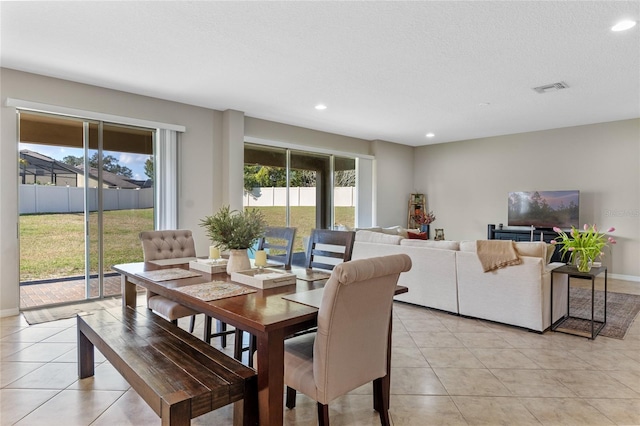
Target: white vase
column 238, row 261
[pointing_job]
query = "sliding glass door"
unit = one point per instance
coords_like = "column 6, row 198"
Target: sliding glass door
column 344, row 192
column 85, row 192
column 300, row 189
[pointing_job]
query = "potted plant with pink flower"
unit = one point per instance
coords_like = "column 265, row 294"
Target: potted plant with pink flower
column 584, row 246
column 424, row 220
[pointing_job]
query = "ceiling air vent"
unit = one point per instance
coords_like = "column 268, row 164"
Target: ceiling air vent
column 554, row 87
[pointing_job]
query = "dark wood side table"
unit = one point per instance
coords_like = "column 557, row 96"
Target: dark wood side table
column 596, row 325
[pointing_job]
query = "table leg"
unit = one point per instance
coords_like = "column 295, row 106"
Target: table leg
column 551, row 303
column 593, row 304
column 605, row 297
column 129, row 295
column 271, row 377
column 85, row 355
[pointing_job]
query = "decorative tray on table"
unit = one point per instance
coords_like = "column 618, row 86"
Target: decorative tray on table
column 266, row 278
column 210, row 266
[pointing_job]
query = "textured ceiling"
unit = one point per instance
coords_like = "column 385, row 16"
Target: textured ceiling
column 386, row 70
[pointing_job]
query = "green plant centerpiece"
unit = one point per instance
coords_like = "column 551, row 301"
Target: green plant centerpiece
column 584, row 247
column 235, row 231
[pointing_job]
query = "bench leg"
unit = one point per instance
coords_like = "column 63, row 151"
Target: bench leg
column 85, row 355
column 176, row 414
column 245, row 411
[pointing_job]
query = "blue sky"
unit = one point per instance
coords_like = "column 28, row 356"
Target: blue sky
column 133, row 161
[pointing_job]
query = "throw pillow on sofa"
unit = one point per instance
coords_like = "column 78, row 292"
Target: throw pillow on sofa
column 417, row 235
column 377, row 237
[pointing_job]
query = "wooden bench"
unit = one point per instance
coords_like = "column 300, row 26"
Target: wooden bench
column 178, row 375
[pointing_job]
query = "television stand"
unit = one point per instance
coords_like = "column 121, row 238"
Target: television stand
column 541, row 234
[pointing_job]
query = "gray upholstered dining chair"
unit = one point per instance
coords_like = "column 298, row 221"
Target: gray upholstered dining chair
column 168, row 244
column 350, row 347
column 278, row 243
column 173, row 244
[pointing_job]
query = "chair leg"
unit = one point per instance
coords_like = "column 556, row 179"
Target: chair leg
column 382, row 398
column 221, row 327
column 207, row 329
column 237, row 346
column 291, row 398
column 253, row 346
column 238, row 349
column 323, row 414
column 192, row 324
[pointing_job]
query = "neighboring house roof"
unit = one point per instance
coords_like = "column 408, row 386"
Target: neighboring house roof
column 110, row 179
column 37, row 160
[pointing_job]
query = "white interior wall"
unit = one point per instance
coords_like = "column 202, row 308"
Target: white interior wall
column 394, row 182
column 279, row 132
column 201, row 155
column 197, row 161
column 467, row 182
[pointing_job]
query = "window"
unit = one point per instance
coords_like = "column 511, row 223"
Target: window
column 300, row 189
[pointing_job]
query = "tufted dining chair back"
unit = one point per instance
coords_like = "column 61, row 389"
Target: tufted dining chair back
column 350, row 347
column 167, row 244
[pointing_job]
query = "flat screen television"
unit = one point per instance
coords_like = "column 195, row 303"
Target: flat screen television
column 544, row 209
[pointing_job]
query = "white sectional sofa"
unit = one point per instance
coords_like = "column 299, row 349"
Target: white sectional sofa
column 447, row 275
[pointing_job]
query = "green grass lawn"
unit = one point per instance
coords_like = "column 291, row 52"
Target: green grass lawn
column 52, row 245
column 304, row 219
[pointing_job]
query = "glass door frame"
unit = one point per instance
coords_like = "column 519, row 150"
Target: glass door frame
column 93, row 198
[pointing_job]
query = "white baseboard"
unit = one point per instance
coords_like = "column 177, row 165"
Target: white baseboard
column 9, row 312
column 633, row 278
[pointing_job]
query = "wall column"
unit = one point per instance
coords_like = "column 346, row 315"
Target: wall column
column 233, row 158
column 9, row 263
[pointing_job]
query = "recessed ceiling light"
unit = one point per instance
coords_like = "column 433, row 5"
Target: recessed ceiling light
column 430, row 135
column 623, row 25
column 321, row 107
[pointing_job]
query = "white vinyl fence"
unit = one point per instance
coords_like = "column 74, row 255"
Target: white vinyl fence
column 298, row 196
column 66, row 199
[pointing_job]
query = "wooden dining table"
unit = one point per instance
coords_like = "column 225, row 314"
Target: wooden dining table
column 263, row 313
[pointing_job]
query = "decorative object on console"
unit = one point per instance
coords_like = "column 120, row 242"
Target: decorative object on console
column 584, row 247
column 416, row 208
column 417, row 215
column 439, row 234
column 235, row 231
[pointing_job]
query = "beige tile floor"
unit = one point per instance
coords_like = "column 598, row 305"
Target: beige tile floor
column 446, row 370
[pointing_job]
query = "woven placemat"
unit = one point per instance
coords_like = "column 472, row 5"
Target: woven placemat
column 215, row 290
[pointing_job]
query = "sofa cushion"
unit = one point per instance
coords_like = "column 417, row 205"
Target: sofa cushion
column 377, row 237
column 417, row 235
column 372, row 229
column 392, row 230
column 532, row 249
column 524, row 248
column 551, row 248
column 443, row 245
column 468, row 245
